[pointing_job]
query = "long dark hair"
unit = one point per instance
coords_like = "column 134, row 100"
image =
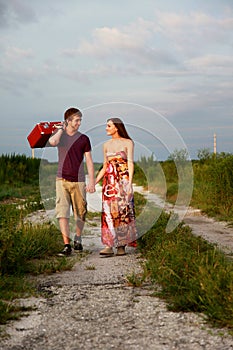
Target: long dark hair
column 120, row 127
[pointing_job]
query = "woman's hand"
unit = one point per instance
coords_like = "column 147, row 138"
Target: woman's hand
column 90, row 188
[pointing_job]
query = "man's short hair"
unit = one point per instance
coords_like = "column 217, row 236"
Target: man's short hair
column 69, row 113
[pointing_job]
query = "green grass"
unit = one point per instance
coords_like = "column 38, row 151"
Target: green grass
column 11, row 288
column 25, row 250
column 140, row 203
column 192, row 273
column 17, row 191
column 90, row 267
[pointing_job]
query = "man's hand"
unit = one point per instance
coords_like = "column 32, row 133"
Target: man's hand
column 90, row 188
column 60, row 126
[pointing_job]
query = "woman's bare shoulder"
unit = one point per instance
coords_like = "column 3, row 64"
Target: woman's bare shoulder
column 129, row 142
column 105, row 145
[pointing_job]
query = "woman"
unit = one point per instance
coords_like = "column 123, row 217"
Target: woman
column 118, row 216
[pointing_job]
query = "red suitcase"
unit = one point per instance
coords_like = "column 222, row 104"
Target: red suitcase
column 39, row 136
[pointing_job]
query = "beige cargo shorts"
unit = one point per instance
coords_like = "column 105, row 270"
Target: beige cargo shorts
column 70, row 195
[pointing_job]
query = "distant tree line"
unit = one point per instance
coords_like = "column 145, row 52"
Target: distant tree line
column 16, row 169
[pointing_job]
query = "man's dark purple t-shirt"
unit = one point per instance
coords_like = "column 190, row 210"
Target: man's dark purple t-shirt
column 71, row 151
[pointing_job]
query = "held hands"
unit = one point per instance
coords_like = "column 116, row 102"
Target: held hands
column 90, row 188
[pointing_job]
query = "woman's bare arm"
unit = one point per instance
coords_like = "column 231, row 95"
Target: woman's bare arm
column 103, row 170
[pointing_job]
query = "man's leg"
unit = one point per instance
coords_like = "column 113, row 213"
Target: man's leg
column 79, row 205
column 65, row 231
column 79, row 227
column 62, row 211
column 78, row 235
column 64, row 227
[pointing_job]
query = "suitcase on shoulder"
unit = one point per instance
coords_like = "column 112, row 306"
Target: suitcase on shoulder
column 38, row 137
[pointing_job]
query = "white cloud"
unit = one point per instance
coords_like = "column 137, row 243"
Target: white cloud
column 172, row 45
column 170, row 39
column 106, row 40
column 15, row 53
column 195, row 32
column 216, row 65
column 197, row 21
column 132, row 48
column 212, row 61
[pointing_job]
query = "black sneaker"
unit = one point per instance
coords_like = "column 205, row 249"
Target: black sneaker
column 66, row 251
column 78, row 246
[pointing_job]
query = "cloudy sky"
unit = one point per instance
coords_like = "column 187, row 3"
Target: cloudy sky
column 165, row 67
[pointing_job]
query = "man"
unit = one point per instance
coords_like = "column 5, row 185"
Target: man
column 70, row 182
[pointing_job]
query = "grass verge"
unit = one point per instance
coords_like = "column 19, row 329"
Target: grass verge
column 25, row 250
column 192, row 274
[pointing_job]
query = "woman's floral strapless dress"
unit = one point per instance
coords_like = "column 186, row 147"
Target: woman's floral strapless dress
column 118, row 215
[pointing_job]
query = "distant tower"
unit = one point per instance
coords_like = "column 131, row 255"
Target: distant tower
column 215, row 143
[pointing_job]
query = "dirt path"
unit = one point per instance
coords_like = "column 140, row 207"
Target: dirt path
column 94, row 307
column 219, row 233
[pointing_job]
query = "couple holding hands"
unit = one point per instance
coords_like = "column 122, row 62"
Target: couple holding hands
column 118, row 227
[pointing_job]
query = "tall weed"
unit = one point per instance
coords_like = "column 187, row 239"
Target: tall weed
column 24, row 249
column 194, row 274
